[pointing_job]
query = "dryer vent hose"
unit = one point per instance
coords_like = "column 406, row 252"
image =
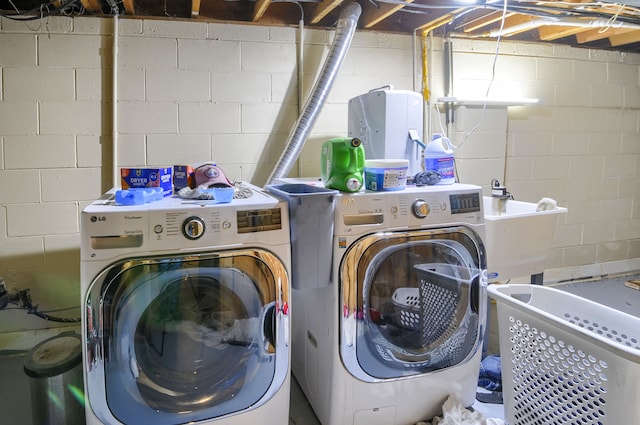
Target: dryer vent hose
column 346, row 27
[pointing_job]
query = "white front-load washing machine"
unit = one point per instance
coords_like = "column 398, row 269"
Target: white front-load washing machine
column 399, row 326
column 185, row 311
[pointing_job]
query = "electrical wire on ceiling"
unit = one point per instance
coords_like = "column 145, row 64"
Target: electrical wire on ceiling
column 46, row 9
column 583, row 14
column 549, row 8
column 113, row 5
column 491, row 80
column 611, row 21
column 493, row 76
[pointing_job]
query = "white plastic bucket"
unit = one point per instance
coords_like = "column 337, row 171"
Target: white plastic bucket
column 385, row 174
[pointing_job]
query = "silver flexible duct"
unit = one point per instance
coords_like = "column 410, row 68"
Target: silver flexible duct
column 346, row 27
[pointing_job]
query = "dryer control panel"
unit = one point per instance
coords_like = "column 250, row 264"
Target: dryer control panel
column 414, row 207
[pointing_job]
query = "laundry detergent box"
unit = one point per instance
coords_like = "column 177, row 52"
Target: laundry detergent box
column 132, row 178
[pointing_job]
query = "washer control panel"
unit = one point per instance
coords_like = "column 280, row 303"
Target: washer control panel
column 211, row 223
column 110, row 230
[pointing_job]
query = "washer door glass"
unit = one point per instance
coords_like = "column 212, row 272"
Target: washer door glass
column 187, row 339
column 411, row 302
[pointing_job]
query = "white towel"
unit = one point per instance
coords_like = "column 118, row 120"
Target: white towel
column 546, row 204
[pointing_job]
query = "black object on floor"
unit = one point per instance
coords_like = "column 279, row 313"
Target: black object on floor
column 493, row 397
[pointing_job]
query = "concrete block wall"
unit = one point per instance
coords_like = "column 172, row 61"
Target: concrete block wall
column 193, row 91
column 580, row 145
column 186, row 92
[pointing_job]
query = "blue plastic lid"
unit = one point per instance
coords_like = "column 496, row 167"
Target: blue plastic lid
column 139, row 196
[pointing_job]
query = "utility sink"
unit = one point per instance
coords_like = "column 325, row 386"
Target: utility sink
column 517, row 240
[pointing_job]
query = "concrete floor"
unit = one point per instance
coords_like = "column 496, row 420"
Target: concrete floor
column 15, row 402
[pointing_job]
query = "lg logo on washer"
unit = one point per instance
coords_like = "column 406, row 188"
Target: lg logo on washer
column 95, row 219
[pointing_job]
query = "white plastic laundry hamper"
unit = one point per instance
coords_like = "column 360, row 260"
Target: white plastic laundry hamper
column 566, row 359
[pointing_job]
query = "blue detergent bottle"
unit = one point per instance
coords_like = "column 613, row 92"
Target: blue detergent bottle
column 438, row 156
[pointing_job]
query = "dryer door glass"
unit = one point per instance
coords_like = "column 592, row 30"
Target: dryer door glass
column 414, row 301
column 192, row 338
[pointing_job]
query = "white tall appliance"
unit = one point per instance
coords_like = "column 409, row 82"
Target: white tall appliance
column 389, row 123
column 398, row 327
column 186, row 311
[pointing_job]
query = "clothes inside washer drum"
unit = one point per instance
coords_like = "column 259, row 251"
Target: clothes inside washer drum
column 193, row 354
column 214, row 386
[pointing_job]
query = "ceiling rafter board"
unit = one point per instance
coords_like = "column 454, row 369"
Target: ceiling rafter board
column 555, row 32
column 483, row 21
column 372, row 16
column 259, row 9
column 195, row 8
column 595, row 34
column 439, row 22
column 129, row 7
column 92, row 5
column 517, row 20
column 625, row 38
column 323, row 8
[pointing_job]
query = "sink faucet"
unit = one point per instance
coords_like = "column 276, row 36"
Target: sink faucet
column 499, row 197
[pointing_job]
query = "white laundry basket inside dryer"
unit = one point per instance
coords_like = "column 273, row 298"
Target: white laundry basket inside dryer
column 566, row 359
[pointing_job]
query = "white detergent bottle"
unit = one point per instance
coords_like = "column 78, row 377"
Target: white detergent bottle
column 438, row 156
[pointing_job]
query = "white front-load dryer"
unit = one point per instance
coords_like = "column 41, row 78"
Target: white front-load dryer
column 399, row 326
column 186, row 311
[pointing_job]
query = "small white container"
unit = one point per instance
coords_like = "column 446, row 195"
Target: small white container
column 385, row 174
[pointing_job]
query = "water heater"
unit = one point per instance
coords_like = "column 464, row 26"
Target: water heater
column 389, row 124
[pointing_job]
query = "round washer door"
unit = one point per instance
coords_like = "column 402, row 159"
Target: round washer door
column 411, row 302
column 185, row 339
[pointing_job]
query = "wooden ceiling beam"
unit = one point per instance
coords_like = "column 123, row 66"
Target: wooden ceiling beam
column 554, row 32
column 195, row 8
column 486, row 20
column 372, row 16
column 92, row 5
column 596, row 34
column 517, row 24
column 572, row 21
column 129, row 7
column 438, row 22
column 259, row 9
column 323, row 8
column 628, row 37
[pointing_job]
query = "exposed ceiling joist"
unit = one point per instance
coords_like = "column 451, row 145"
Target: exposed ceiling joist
column 625, row 38
column 588, row 36
column 517, row 24
column 484, row 20
column 372, row 17
column 195, row 8
column 579, row 23
column 555, row 32
column 437, row 23
column 92, row 5
column 129, row 7
column 259, row 9
column 323, row 8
